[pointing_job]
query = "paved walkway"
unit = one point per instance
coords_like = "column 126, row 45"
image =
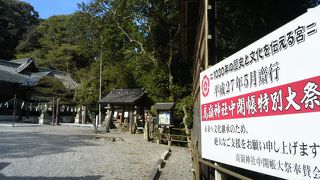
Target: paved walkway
column 68, row 152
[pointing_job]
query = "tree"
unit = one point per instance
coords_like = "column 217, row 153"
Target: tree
column 242, row 22
column 184, row 112
column 54, row 45
column 16, row 17
column 146, row 31
column 51, row 87
column 138, row 40
column 29, row 42
column 113, row 77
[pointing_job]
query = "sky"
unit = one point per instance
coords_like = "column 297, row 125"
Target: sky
column 47, row 8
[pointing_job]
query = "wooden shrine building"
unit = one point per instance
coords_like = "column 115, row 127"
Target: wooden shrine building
column 20, row 83
column 126, row 107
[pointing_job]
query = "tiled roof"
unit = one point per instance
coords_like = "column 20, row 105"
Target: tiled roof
column 28, row 66
column 124, row 96
column 24, row 72
column 34, row 78
column 9, row 74
column 164, row 106
column 20, row 61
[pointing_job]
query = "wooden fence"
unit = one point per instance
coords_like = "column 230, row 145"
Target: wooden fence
column 174, row 135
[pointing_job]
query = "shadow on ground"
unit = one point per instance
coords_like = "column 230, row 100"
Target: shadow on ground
column 3, row 165
column 50, row 178
column 30, row 144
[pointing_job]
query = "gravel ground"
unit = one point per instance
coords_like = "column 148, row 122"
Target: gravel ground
column 66, row 152
column 178, row 165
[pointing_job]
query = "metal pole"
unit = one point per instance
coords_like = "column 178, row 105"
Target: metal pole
column 14, row 110
column 100, row 87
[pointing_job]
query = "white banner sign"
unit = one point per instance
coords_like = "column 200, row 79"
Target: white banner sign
column 260, row 106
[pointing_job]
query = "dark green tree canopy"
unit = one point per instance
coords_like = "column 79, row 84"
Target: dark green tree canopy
column 242, row 22
column 16, row 18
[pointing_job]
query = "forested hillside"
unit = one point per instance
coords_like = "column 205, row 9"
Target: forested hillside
column 17, row 19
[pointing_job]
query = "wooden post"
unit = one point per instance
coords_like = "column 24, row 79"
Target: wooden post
column 52, row 118
column 134, row 120
column 20, row 114
column 84, row 115
column 131, row 120
column 57, row 112
column 217, row 174
column 148, row 126
column 158, row 136
column 142, row 116
column 146, row 130
column 153, row 127
column 14, row 110
column 122, row 116
column 28, row 113
column 169, row 137
column 197, row 166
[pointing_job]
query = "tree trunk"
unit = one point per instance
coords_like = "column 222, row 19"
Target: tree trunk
column 185, row 117
column 169, row 64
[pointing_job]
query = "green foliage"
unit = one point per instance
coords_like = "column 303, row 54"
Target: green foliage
column 242, row 22
column 142, row 38
column 16, row 17
column 185, row 105
column 51, row 87
column 152, row 78
column 86, row 94
column 30, row 41
column 139, row 40
column 57, row 46
column 113, row 76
